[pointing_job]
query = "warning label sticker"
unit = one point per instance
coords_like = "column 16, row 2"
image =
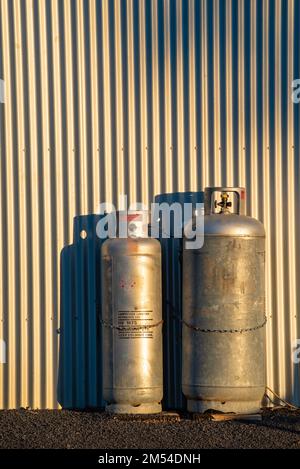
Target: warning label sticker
column 133, row 324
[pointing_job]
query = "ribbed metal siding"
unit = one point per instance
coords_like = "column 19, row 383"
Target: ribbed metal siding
column 142, row 97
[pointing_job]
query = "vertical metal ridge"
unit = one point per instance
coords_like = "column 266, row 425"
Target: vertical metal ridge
column 56, row 155
column 18, row 321
column 2, row 221
column 155, row 99
column 290, row 231
column 289, row 228
column 9, row 390
column 144, row 177
column 252, row 168
column 180, row 151
column 168, row 169
column 279, row 249
column 267, row 207
column 132, row 181
column 72, row 195
column 31, row 152
column 229, row 94
column 82, row 49
column 241, row 95
column 293, row 195
column 296, row 143
column 206, row 177
column 272, row 232
column 108, row 125
column 47, row 203
column 217, row 149
column 95, row 145
column 27, row 164
column 119, row 99
column 192, row 101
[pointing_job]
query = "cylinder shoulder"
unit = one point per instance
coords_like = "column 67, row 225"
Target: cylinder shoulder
column 232, row 225
column 131, row 246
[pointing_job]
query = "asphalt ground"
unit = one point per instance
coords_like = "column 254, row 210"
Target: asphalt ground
column 77, row 429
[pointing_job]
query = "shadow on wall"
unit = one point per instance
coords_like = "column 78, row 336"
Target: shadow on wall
column 296, row 385
column 80, row 354
column 79, row 375
column 172, row 298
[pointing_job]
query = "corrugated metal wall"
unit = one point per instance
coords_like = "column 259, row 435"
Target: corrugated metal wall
column 140, row 97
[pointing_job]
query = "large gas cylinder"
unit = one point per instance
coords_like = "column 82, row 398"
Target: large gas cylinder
column 224, row 309
column 132, row 320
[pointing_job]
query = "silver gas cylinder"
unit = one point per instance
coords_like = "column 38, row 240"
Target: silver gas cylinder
column 132, row 320
column 224, row 308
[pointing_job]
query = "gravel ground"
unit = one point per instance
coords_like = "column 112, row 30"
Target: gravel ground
column 75, row 429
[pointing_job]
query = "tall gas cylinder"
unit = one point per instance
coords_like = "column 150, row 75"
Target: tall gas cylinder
column 132, row 319
column 224, row 308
